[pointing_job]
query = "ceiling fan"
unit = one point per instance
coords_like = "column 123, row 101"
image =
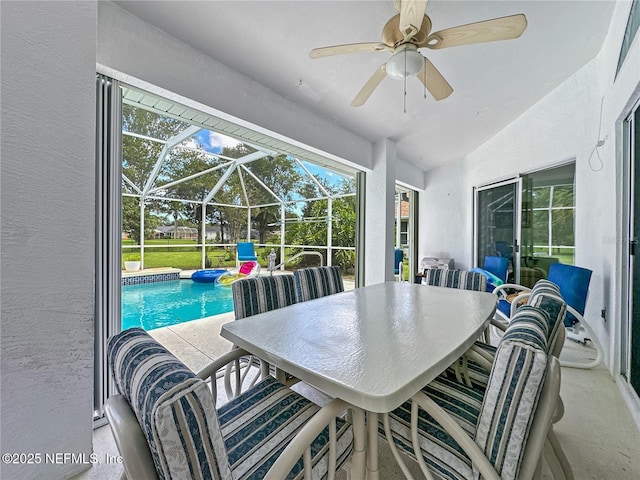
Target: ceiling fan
column 409, row 31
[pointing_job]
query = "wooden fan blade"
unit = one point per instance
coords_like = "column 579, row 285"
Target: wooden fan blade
column 505, row 28
column 433, row 80
column 348, row 48
column 411, row 15
column 370, row 86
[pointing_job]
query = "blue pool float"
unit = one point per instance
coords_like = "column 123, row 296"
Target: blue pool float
column 207, row 276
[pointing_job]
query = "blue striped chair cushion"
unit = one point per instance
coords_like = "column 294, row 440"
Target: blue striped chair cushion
column 262, row 294
column 317, row 282
column 259, row 424
column 508, row 407
column 529, row 325
column 546, row 296
column 545, row 287
column 462, row 279
column 173, row 406
column 441, row 453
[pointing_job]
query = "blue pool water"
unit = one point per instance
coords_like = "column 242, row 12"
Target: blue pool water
column 154, row 305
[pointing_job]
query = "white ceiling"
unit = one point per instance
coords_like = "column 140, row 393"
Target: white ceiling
column 493, row 83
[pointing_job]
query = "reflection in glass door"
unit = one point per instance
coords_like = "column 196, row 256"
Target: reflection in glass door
column 405, row 215
column 631, row 331
column 497, row 215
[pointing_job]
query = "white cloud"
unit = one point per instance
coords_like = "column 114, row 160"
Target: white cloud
column 218, row 141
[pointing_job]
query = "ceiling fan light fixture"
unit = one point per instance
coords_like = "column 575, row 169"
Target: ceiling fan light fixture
column 405, row 62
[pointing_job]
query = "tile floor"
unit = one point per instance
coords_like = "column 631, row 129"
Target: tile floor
column 597, row 432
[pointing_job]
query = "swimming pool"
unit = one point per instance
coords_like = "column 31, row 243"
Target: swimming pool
column 160, row 304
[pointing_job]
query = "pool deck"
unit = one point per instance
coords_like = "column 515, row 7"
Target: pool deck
column 198, row 342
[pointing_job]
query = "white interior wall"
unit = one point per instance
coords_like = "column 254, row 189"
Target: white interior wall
column 47, row 221
column 561, row 126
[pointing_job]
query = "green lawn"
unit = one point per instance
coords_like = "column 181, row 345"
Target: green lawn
column 162, row 254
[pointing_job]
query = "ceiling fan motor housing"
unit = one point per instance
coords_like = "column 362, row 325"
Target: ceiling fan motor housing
column 405, row 62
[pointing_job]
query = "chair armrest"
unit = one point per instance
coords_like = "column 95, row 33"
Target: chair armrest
column 130, row 440
column 481, row 357
column 236, row 377
column 516, row 301
column 463, row 439
column 498, row 324
column 210, row 370
column 500, row 290
column 300, row 445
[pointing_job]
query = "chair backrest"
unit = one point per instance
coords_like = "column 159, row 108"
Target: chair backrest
column 246, row 251
column 510, row 403
column 504, row 249
column 497, row 265
column 317, row 282
column 462, row 279
column 546, row 296
column 261, row 294
column 574, row 286
column 174, row 408
column 398, row 256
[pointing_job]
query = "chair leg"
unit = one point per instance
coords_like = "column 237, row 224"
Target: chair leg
column 394, row 450
column 559, row 455
column 553, row 462
column 559, row 413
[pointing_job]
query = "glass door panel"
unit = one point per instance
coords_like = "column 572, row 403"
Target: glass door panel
column 497, row 215
column 548, row 212
column 632, row 334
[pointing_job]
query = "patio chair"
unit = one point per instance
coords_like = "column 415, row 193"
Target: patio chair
column 246, row 270
column 245, row 252
column 545, row 296
column 262, row 294
column 449, row 278
column 573, row 284
column 166, row 424
column 317, row 282
column 462, row 279
column 494, row 430
column 495, row 269
column 398, row 264
column 497, row 265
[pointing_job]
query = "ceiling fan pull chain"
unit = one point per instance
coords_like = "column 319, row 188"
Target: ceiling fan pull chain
column 424, row 84
column 404, row 81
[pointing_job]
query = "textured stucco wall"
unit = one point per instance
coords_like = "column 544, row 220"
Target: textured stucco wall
column 47, row 227
column 562, row 126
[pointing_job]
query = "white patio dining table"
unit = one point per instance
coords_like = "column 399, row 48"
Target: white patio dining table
column 374, row 347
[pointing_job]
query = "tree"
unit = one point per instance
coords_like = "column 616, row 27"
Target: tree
column 139, row 155
column 313, row 231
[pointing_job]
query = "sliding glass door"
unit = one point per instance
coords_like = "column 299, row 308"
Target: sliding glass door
column 529, row 220
column 497, row 216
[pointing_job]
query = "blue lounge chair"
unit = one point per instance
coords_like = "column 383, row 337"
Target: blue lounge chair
column 245, row 252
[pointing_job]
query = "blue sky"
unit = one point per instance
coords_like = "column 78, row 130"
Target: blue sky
column 213, row 142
